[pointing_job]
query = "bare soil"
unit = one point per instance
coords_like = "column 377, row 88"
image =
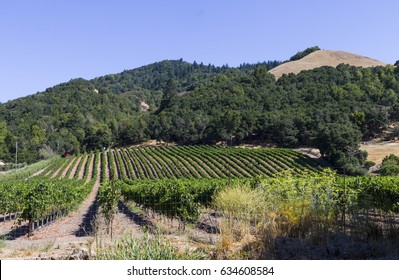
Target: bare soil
column 82, row 170
column 75, row 167
column 65, row 171
column 38, row 172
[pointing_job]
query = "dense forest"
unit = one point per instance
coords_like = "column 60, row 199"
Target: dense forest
column 333, row 109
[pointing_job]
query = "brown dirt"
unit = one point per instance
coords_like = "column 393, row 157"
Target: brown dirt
column 65, row 171
column 56, row 172
column 106, row 167
column 90, row 175
column 38, row 173
column 75, row 167
column 154, row 143
column 82, row 170
column 324, row 58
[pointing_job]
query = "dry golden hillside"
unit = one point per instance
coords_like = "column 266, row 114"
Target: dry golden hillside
column 377, row 152
column 324, row 58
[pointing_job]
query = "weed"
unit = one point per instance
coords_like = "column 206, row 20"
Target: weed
column 3, row 241
column 149, row 247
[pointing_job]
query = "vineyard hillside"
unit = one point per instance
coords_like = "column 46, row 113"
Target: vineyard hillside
column 190, row 162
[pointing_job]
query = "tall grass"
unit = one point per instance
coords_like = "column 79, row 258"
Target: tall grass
column 149, row 247
column 314, row 209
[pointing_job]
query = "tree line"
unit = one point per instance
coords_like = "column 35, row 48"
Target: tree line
column 333, row 109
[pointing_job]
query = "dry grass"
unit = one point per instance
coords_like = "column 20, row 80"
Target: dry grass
column 377, row 152
column 324, row 58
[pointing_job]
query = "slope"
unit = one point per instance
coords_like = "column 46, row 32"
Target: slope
column 324, row 58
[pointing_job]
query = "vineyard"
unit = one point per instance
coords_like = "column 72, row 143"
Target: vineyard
column 50, row 189
column 183, row 162
column 278, row 187
column 190, row 162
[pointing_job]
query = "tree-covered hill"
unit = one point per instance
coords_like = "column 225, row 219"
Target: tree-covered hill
column 329, row 108
column 83, row 115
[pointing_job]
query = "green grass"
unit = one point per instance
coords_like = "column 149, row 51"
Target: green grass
column 149, row 247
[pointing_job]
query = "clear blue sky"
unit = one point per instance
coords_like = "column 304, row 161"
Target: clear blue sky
column 46, row 42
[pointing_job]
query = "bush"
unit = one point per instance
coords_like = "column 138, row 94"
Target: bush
column 368, row 164
column 390, row 166
column 354, row 170
column 390, row 160
column 240, row 202
column 389, row 170
column 304, row 53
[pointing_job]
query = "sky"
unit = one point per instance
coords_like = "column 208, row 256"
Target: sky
column 47, row 42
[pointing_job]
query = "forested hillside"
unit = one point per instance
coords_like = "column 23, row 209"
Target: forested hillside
column 332, row 109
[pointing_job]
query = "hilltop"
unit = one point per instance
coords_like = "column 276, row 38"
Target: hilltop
column 324, row 58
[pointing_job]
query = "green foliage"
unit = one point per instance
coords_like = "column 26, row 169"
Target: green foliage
column 390, row 166
column 240, row 202
column 304, row 53
column 389, row 170
column 4, row 152
column 208, row 162
column 301, row 206
column 172, row 198
column 38, row 198
column 390, row 160
column 149, row 247
column 395, row 132
column 195, row 104
column 108, row 197
column 368, row 164
column 23, row 173
column 335, row 137
column 169, row 95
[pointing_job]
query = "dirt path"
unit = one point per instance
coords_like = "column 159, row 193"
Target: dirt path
column 106, row 166
column 75, row 167
column 55, row 174
column 66, row 169
column 37, row 173
column 90, row 175
column 116, row 171
column 82, row 170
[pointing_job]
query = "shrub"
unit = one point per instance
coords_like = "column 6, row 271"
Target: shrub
column 389, row 170
column 240, row 202
column 368, row 164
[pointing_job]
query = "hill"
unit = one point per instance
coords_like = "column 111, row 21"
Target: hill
column 324, row 58
column 330, row 108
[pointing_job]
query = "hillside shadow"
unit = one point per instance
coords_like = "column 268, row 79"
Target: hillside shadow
column 16, row 233
column 135, row 218
column 8, row 218
column 86, row 228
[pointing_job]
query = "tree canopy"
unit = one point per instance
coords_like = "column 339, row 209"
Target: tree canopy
column 329, row 108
